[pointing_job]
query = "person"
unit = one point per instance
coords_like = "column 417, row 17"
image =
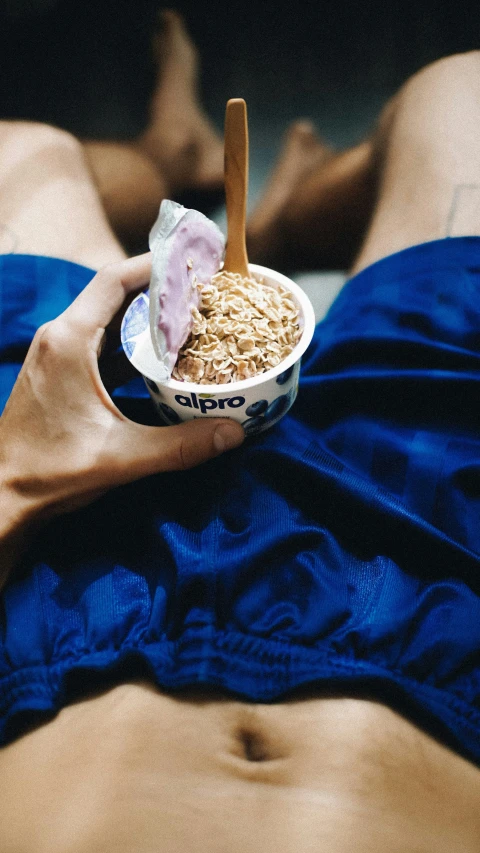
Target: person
column 276, row 649
column 179, row 154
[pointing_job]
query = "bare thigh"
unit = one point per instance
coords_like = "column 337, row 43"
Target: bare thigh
column 48, row 201
column 428, row 147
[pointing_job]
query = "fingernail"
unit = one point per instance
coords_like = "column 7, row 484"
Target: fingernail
column 227, row 436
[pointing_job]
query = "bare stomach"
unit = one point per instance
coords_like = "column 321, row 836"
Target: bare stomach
column 133, row 770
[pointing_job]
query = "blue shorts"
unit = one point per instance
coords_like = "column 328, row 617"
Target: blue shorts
column 341, row 549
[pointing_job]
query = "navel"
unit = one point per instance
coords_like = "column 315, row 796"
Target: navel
column 257, row 745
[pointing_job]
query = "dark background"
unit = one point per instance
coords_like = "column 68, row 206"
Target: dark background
column 85, row 65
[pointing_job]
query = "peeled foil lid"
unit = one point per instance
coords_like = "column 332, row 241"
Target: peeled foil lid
column 187, row 248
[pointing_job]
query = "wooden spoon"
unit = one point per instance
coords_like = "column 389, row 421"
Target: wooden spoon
column 236, row 185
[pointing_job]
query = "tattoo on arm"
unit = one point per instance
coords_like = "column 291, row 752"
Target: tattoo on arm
column 464, row 214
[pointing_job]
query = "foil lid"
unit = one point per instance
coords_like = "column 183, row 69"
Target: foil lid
column 188, row 249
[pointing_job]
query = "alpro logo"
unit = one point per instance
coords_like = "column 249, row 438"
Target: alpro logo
column 206, row 404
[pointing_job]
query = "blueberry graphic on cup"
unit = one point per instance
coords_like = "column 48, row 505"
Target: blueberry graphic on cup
column 153, row 387
column 285, row 376
column 257, row 408
column 262, row 416
column 253, row 424
column 169, row 414
column 277, row 407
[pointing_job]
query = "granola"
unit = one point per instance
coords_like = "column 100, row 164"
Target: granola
column 242, row 327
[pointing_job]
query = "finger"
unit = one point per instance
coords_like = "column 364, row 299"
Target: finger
column 149, row 450
column 100, row 301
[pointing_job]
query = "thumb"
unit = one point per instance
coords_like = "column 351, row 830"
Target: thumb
column 150, row 450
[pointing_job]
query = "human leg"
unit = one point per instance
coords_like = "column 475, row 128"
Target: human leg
column 178, row 151
column 315, row 207
column 48, row 201
column 426, row 149
column 130, row 187
column 394, row 189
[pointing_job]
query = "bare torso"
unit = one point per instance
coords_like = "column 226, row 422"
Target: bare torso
column 134, row 769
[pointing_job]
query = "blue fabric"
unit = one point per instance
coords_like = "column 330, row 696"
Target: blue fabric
column 342, row 548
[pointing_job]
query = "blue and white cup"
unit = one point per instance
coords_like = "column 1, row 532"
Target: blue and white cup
column 257, row 403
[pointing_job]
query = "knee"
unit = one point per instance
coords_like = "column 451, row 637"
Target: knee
column 449, row 77
column 439, row 95
column 20, row 140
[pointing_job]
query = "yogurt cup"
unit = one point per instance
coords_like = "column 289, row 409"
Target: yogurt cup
column 257, row 403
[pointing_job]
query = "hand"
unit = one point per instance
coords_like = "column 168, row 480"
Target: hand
column 63, row 442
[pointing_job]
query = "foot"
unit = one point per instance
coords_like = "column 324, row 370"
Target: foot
column 180, row 138
column 303, row 152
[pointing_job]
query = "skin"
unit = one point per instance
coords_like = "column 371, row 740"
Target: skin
column 133, row 768
column 405, row 184
column 136, row 769
column 60, row 401
column 178, row 150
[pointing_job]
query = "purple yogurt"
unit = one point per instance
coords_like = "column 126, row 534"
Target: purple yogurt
column 187, row 248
